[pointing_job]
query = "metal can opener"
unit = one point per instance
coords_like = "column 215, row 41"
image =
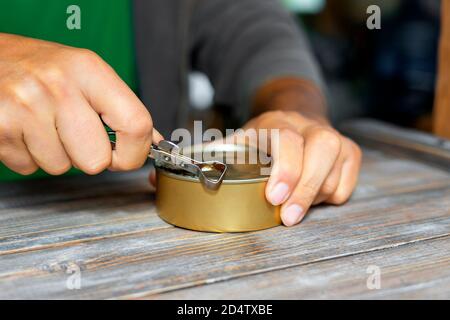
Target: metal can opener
column 166, row 154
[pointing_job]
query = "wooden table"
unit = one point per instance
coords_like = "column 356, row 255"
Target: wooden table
column 103, row 233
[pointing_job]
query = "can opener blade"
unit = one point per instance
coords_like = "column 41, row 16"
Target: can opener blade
column 167, row 155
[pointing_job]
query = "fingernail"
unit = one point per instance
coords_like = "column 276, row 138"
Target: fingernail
column 292, row 215
column 278, row 193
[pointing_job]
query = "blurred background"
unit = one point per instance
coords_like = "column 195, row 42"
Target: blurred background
column 387, row 74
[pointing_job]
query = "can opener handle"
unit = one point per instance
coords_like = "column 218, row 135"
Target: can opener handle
column 167, row 155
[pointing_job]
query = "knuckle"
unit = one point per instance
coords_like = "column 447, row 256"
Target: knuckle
column 59, row 169
column 329, row 138
column 95, row 167
column 54, row 78
column 24, row 91
column 266, row 118
column 86, row 57
column 292, row 135
column 328, row 188
column 139, row 124
column 339, row 198
column 275, row 113
column 8, row 133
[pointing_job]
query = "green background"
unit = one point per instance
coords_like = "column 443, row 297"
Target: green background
column 106, row 28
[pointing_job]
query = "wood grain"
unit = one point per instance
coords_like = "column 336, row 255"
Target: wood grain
column 107, row 226
column 413, row 271
column 400, row 142
column 169, row 259
column 63, row 213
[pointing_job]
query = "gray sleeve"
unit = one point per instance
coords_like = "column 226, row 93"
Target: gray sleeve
column 242, row 44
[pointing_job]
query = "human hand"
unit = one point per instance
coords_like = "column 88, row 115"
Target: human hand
column 312, row 163
column 53, row 99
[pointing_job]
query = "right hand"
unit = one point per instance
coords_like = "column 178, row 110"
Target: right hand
column 53, row 99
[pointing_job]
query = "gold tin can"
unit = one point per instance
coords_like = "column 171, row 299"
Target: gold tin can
column 239, row 205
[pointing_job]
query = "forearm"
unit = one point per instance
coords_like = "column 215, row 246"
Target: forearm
column 263, row 43
column 290, row 94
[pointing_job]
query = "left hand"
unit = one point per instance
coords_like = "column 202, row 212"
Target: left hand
column 312, row 163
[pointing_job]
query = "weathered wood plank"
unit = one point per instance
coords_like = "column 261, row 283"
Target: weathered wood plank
column 168, row 259
column 108, row 227
column 65, row 228
column 376, row 168
column 401, row 142
column 59, row 189
column 382, row 174
column 414, row 271
column 113, row 204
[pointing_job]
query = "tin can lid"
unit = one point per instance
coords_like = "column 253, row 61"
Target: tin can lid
column 244, row 164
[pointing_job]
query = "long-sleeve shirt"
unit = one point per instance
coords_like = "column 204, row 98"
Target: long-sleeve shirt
column 239, row 45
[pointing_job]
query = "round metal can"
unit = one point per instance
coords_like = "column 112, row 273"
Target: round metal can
column 239, row 205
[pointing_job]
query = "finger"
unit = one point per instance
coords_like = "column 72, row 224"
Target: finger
column 121, row 110
column 14, row 155
column 13, row 151
column 349, row 175
column 45, row 147
column 33, row 112
column 41, row 137
column 331, row 182
column 156, row 136
column 83, row 134
column 322, row 148
column 287, row 155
